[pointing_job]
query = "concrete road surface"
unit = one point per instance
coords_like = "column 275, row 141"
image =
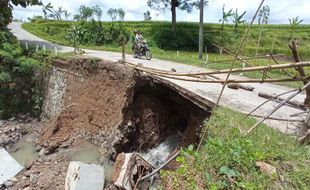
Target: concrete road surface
column 241, row 100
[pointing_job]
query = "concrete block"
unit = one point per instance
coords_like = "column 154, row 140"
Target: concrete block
column 81, row 176
column 9, row 167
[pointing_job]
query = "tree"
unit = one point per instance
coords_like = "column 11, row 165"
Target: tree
column 163, row 5
column 58, row 13
column 6, row 8
column 47, row 8
column 201, row 30
column 116, row 13
column 223, row 21
column 86, row 12
column 294, row 22
column 263, row 17
column 97, row 11
column 237, row 20
column 147, row 16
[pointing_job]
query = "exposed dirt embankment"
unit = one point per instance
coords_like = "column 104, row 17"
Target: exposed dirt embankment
column 119, row 110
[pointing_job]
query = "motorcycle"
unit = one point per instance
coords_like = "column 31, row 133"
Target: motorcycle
column 143, row 51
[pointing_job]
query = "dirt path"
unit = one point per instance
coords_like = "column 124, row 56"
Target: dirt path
column 240, row 100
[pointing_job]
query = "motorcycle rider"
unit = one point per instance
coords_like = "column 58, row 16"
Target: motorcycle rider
column 139, row 41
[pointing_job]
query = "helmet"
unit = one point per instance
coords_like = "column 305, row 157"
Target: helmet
column 135, row 31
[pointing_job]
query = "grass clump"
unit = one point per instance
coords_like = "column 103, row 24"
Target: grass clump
column 227, row 160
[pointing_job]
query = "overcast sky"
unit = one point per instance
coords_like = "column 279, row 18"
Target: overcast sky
column 281, row 10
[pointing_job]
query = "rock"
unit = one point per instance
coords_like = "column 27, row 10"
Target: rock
column 28, row 165
column 82, row 176
column 267, row 169
column 52, row 147
column 8, row 184
column 38, row 148
column 41, row 153
column 28, row 188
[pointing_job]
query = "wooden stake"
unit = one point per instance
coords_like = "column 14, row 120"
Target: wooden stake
column 300, row 70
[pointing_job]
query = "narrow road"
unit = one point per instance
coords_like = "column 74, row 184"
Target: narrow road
column 241, row 100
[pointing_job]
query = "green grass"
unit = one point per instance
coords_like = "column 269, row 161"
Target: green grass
column 57, row 31
column 227, row 160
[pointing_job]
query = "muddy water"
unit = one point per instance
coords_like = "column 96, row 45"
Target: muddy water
column 89, row 153
column 24, row 150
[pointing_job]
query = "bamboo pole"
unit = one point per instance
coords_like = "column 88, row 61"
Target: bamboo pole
column 269, row 101
column 236, row 70
column 275, row 109
column 249, row 69
column 238, row 58
column 294, row 104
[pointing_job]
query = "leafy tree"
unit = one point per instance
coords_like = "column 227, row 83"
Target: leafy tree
column 163, row 5
column 6, row 7
column 223, row 21
column 147, row 16
column 263, row 17
column 294, row 22
column 58, row 13
column 86, row 12
column 116, row 13
column 47, row 8
column 237, row 20
column 75, row 35
column 97, row 11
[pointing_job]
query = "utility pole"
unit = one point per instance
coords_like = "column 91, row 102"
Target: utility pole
column 201, row 29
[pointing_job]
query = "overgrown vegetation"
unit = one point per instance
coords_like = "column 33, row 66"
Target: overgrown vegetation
column 158, row 35
column 21, row 78
column 21, row 72
column 227, row 160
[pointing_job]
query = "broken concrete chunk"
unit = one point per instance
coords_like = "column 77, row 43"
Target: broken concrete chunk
column 81, row 176
column 128, row 168
column 122, row 171
column 9, row 167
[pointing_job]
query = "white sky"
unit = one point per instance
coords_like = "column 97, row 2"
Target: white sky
column 281, row 10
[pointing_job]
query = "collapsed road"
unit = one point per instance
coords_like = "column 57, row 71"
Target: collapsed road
column 111, row 105
column 243, row 101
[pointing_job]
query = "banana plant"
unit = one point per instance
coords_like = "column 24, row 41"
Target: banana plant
column 263, row 18
column 47, row 8
column 223, row 21
column 294, row 22
column 238, row 20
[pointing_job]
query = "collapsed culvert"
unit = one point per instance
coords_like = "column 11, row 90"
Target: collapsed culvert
column 118, row 109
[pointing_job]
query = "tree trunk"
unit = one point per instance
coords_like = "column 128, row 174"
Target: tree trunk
column 301, row 71
column 259, row 40
column 174, row 16
column 201, row 30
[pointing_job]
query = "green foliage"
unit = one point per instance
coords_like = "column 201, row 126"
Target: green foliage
column 6, row 9
column 116, row 14
column 227, row 160
column 294, row 22
column 154, row 31
column 21, row 77
column 238, row 20
column 147, row 16
column 48, row 8
column 225, row 37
